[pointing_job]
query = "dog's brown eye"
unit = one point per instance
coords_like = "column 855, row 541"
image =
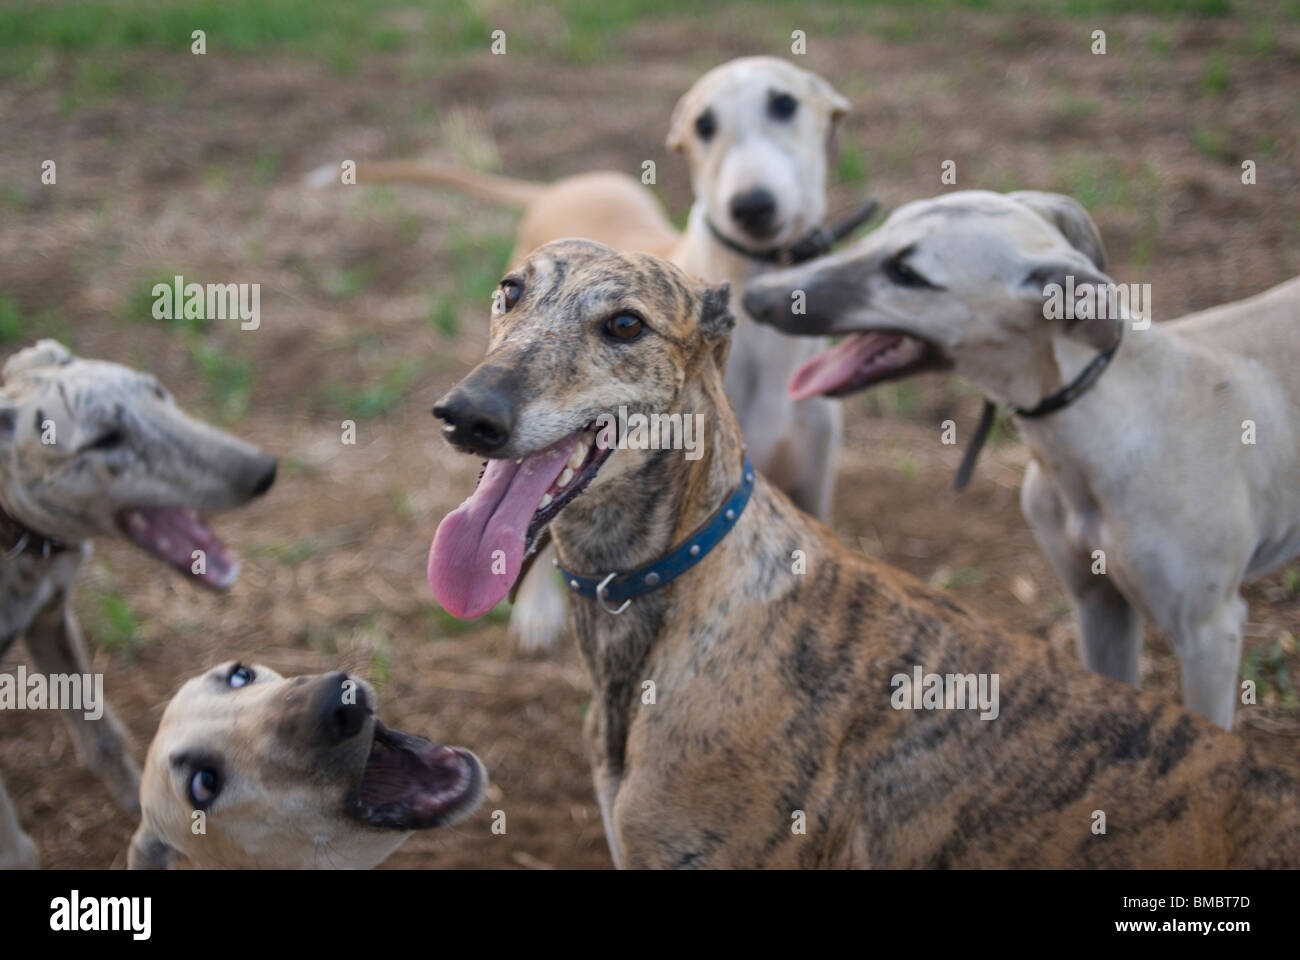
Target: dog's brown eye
column 705, row 125
column 624, row 326
column 511, row 291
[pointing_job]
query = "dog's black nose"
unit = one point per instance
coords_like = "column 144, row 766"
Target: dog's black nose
column 479, row 421
column 341, row 709
column 754, row 210
column 263, row 483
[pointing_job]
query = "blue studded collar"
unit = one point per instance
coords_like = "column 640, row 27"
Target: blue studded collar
column 622, row 588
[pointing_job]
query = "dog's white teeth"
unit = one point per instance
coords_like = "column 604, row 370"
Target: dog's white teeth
column 579, row 454
column 546, row 502
column 566, row 476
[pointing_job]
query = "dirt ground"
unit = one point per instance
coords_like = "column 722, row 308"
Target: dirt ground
column 374, row 301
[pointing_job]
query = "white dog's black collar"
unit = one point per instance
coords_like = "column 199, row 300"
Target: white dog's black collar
column 1049, row 404
column 816, row 243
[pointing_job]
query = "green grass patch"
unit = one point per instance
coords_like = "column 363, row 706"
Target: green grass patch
column 114, row 625
column 377, row 400
column 12, row 326
column 228, row 377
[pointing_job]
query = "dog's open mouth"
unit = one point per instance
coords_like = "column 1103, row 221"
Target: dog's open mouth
column 180, row 537
column 480, row 546
column 860, row 361
column 411, row 783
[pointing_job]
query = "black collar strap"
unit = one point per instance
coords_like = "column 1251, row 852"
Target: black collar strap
column 17, row 538
column 816, row 243
column 623, row 588
column 1049, row 404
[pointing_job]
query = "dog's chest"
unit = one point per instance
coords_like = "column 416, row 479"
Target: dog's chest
column 28, row 585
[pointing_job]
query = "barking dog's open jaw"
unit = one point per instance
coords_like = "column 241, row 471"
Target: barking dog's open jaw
column 180, row 537
column 480, row 546
column 411, row 783
column 859, row 361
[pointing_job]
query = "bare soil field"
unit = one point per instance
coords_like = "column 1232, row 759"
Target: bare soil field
column 375, row 300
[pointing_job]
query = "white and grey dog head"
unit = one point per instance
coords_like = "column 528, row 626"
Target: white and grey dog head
column 953, row 281
column 757, row 132
column 89, row 448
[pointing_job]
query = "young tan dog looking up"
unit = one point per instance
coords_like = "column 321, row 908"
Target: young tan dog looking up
column 290, row 774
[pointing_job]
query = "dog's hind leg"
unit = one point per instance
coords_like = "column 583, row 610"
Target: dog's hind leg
column 17, row 852
column 540, row 616
column 54, row 640
column 1110, row 629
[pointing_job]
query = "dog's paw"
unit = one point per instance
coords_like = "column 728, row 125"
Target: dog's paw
column 539, row 617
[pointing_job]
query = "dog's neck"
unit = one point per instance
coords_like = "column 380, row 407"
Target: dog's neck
column 703, row 255
column 652, row 504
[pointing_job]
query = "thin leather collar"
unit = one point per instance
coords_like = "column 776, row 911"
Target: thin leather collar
column 1054, row 401
column 623, row 588
column 816, row 243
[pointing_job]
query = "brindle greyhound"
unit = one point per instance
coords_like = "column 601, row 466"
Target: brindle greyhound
column 93, row 449
column 747, row 689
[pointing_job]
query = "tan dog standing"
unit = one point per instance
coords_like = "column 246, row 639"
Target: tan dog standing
column 253, row 770
column 1180, row 458
column 747, row 712
column 757, row 132
column 90, row 449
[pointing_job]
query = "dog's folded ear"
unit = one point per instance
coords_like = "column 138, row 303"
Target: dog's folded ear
column 148, row 851
column 46, row 353
column 716, row 318
column 1077, row 294
column 1069, row 217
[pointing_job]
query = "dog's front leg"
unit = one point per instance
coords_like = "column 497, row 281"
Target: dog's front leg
column 1209, row 649
column 17, row 852
column 102, row 743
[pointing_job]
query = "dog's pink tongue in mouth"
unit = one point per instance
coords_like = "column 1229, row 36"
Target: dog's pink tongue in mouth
column 858, row 361
column 173, row 534
column 479, row 547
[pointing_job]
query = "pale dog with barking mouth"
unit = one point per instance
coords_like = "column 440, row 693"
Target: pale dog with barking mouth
column 89, row 449
column 289, row 774
column 1149, row 465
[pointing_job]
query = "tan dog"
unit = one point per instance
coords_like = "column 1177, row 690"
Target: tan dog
column 1155, row 463
column 90, row 449
column 252, row 770
column 749, row 713
column 757, row 132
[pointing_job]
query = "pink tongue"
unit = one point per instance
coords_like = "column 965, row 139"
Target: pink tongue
column 836, row 368
column 479, row 547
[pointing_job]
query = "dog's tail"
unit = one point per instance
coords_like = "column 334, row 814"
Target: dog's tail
column 504, row 190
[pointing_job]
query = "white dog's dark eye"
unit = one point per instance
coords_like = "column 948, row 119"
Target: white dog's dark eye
column 782, row 106
column 240, row 676
column 624, row 326
column 705, row 125
column 897, row 270
column 205, row 784
column 511, row 291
